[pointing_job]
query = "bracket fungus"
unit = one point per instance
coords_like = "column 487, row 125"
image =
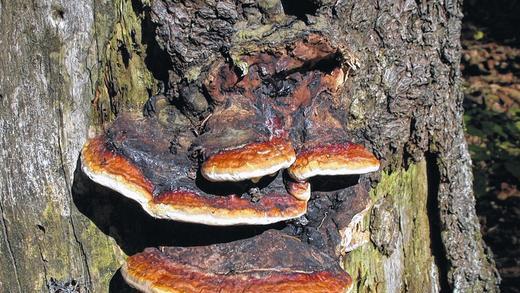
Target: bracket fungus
column 333, row 159
column 251, row 161
column 135, row 158
column 259, row 264
column 284, row 104
column 279, row 116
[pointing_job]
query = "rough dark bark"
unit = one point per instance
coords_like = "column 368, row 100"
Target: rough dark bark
column 402, row 98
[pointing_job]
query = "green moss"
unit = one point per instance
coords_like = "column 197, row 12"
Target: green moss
column 258, row 32
column 246, row 39
column 123, row 81
column 268, row 4
column 407, row 191
column 104, row 256
column 53, row 250
column 365, row 265
column 193, row 73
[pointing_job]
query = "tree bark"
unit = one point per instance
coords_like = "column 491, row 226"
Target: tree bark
column 67, row 67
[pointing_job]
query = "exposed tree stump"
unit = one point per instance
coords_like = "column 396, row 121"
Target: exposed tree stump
column 65, row 67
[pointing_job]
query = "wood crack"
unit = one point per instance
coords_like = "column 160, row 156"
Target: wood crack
column 61, row 128
column 9, row 249
column 45, row 276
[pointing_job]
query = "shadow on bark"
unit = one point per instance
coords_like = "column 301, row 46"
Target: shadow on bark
column 133, row 229
column 156, row 59
column 436, row 245
column 118, row 284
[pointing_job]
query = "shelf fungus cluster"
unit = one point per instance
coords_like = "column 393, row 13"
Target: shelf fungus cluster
column 271, row 129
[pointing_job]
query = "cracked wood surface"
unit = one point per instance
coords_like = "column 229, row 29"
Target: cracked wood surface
column 47, row 53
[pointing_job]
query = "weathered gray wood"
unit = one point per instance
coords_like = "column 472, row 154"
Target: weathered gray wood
column 47, row 54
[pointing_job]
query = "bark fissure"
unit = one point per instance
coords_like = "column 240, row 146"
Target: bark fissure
column 44, row 265
column 436, row 246
column 10, row 249
column 60, row 135
column 84, row 256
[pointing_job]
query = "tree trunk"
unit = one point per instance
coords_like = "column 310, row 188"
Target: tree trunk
column 67, row 67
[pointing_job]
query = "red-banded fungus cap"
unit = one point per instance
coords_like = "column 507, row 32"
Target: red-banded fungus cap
column 250, row 161
column 333, row 159
column 270, row 262
column 324, row 150
column 135, row 159
column 241, row 142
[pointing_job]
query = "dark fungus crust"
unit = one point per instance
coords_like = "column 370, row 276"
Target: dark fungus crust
column 270, row 262
column 134, row 158
column 271, row 94
column 285, row 93
column 264, row 117
column 337, row 200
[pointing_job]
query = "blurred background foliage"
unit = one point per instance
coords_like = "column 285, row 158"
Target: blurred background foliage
column 491, row 69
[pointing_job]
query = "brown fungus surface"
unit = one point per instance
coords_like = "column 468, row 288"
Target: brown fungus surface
column 279, row 111
column 270, row 109
column 287, row 97
column 259, row 264
column 136, row 158
column 337, row 202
